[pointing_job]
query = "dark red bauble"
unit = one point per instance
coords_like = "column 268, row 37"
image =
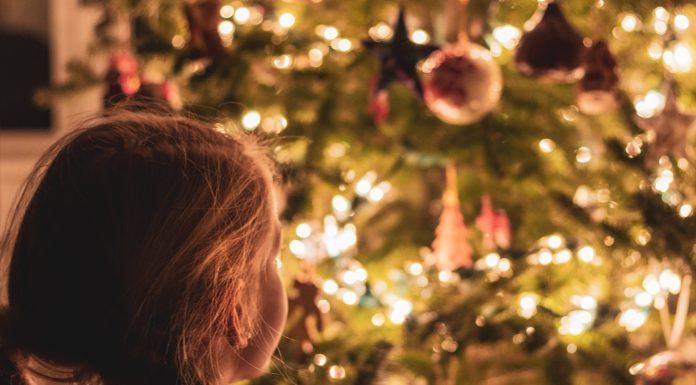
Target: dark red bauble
column 598, row 90
column 552, row 49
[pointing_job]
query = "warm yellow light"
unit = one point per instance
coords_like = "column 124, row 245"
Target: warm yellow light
column 685, row 210
column 226, row 11
column 546, row 145
column 507, row 35
column 381, row 32
column 251, row 120
column 327, row 32
column 629, row 22
column 583, row 155
column 681, row 22
column 342, row 45
column 225, row 28
column 420, row 36
column 242, row 15
column 586, row 254
column 286, row 20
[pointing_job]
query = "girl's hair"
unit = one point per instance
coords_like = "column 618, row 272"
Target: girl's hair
column 136, row 247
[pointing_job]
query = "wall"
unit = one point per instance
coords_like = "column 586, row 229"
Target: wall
column 67, row 26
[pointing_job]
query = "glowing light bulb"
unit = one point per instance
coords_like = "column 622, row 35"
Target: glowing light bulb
column 507, row 35
column 420, row 36
column 226, row 11
column 527, row 305
column 632, row 319
column 225, row 28
column 330, row 287
column 660, row 27
column 661, row 14
column 492, row 260
column 320, row 360
column 655, row 50
column 303, row 230
column 400, row 309
column 316, row 57
column 643, row 299
column 327, row 32
column 286, row 20
column 545, row 257
column 324, row 306
column 583, row 155
column 444, row 276
column 650, row 104
column 629, row 22
column 340, row 204
column 364, row 185
column 342, row 45
column 381, row 32
column 349, row 297
column 546, row 145
column 563, row 256
column 415, row 268
column 242, row 15
column 337, row 372
column 504, row 265
column 282, row 61
column 685, row 210
column 586, row 254
column 251, row 120
column 378, row 319
column 681, row 22
column 678, row 58
column 297, row 247
column 670, row 281
column 554, row 241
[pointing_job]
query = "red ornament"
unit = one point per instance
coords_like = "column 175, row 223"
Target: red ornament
column 451, row 247
column 551, row 49
column 461, row 83
column 203, row 18
column 122, row 77
column 598, row 90
column 494, row 224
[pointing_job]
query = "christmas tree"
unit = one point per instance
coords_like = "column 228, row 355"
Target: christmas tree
column 570, row 129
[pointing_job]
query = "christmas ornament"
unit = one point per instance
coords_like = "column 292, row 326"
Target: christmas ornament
column 398, row 59
column 451, row 249
column 203, row 18
column 598, row 90
column 303, row 310
column 550, row 48
column 662, row 369
column 494, row 224
column 122, row 78
column 461, row 82
column 669, row 130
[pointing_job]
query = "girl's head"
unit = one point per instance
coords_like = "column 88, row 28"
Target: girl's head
column 144, row 253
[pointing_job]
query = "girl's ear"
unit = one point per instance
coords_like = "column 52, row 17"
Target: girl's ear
column 240, row 336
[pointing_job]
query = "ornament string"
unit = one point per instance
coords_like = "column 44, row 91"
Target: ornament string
column 661, row 306
column 451, row 196
column 463, row 32
column 681, row 312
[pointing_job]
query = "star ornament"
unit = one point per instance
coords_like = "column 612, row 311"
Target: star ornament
column 669, row 130
column 398, row 59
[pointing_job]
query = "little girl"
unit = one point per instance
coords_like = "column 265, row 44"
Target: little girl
column 143, row 252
